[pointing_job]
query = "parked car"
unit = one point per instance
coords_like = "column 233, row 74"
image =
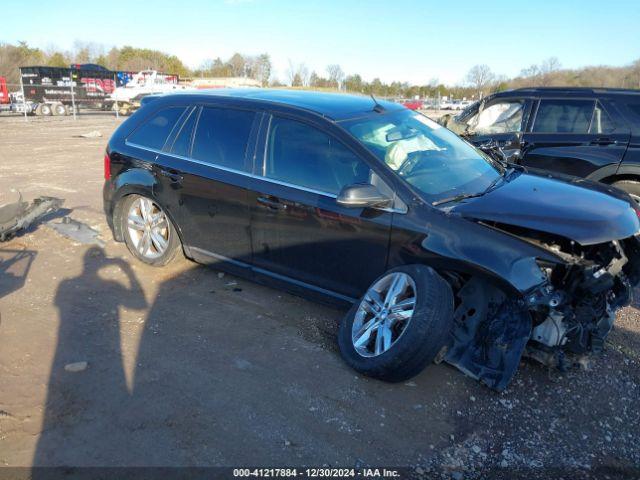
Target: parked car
column 445, row 105
column 413, row 104
column 589, row 133
column 443, row 252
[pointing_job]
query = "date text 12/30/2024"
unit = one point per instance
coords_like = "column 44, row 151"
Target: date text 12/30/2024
column 317, row 473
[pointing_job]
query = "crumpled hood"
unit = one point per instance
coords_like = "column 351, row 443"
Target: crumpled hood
column 580, row 210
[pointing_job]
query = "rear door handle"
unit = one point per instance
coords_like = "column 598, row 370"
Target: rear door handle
column 272, row 203
column 172, row 175
column 604, row 141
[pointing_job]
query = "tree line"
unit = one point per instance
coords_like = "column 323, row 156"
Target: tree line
column 479, row 81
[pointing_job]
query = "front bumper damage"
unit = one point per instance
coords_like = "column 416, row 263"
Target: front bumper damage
column 561, row 320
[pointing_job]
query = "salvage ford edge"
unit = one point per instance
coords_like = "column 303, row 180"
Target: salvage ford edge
column 444, row 253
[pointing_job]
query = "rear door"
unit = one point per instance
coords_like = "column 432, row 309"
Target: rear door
column 298, row 230
column 574, row 137
column 205, row 168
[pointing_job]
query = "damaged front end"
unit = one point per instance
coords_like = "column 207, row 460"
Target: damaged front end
column 558, row 322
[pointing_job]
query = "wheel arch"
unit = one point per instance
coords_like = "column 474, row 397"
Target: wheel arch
column 124, row 188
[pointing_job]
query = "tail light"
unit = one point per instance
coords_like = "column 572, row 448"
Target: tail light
column 107, row 167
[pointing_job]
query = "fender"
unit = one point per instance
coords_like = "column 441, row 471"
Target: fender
column 138, row 181
column 445, row 247
column 607, row 171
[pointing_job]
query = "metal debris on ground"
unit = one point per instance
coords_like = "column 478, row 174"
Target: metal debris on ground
column 19, row 215
column 92, row 134
column 75, row 230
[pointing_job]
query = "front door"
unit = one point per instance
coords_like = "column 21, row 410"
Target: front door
column 500, row 120
column 298, row 230
column 574, row 137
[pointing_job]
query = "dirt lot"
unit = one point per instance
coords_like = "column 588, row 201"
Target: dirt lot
column 186, row 366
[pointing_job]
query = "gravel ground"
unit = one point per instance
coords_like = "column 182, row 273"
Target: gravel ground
column 189, row 367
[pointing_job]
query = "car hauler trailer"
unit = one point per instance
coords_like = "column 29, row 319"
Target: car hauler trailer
column 57, row 90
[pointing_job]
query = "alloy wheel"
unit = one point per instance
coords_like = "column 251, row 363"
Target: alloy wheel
column 148, row 228
column 383, row 314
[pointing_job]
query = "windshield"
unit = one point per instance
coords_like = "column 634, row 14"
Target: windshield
column 428, row 156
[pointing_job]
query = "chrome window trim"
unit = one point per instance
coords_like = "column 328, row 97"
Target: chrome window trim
column 251, row 175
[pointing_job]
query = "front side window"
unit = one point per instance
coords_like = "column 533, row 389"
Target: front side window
column 563, row 116
column 304, row 156
column 153, row 133
column 428, row 156
column 222, row 136
column 500, row 117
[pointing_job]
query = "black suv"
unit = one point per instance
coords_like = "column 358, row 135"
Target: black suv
column 589, row 133
column 443, row 252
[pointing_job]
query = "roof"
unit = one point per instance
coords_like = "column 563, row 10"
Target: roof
column 335, row 106
column 579, row 91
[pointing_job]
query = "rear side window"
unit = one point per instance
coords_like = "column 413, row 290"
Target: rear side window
column 633, row 116
column 153, row 133
column 302, row 155
column 563, row 116
column 221, row 137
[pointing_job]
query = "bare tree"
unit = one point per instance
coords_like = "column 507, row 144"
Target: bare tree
column 480, row 77
column 298, row 74
column 547, row 70
column 336, row 75
column 238, row 65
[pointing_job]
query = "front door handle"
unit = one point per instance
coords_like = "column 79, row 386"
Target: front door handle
column 172, row 175
column 272, row 203
column 604, row 141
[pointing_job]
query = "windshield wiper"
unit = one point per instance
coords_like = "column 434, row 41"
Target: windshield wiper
column 457, row 198
column 462, row 196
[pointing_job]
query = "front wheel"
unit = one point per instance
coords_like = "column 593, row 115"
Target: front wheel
column 149, row 234
column 400, row 324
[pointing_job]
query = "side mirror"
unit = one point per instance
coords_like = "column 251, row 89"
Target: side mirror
column 362, row 195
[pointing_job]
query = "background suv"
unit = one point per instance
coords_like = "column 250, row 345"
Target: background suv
column 590, row 133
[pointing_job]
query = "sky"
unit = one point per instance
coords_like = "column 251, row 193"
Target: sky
column 405, row 40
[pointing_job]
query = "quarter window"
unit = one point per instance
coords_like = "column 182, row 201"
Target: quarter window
column 153, row 133
column 563, row 116
column 221, row 137
column 304, row 156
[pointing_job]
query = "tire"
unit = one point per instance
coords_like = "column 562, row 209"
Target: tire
column 632, row 187
column 134, row 236
column 423, row 336
column 58, row 109
column 43, row 109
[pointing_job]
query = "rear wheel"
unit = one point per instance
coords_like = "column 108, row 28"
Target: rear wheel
column 58, row 109
column 399, row 325
column 632, row 187
column 148, row 232
column 43, row 109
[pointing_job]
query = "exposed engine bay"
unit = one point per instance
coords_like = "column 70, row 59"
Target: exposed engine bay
column 566, row 317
